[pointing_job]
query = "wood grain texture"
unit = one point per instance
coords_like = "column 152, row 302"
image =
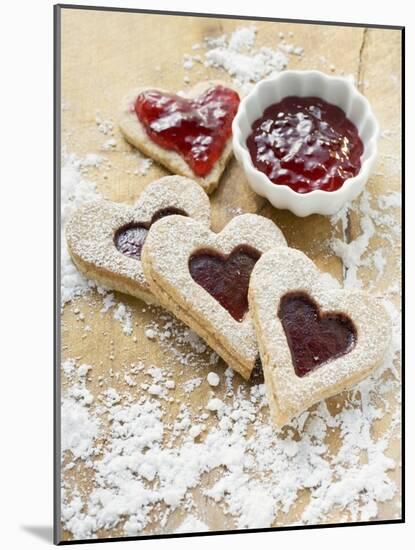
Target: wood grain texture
column 104, row 55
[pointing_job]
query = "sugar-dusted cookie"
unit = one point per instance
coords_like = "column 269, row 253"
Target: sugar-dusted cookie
column 203, row 278
column 189, row 134
column 315, row 340
column 105, row 238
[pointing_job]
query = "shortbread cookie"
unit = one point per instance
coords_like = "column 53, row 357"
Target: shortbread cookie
column 203, row 277
column 315, row 340
column 105, row 238
column 189, row 134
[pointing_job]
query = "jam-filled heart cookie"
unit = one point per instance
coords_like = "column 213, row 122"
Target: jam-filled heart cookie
column 105, row 239
column 314, row 340
column 202, row 277
column 191, row 135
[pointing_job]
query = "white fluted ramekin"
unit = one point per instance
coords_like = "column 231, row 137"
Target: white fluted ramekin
column 335, row 90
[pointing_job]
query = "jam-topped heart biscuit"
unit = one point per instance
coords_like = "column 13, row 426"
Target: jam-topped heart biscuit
column 203, row 277
column 315, row 340
column 191, row 135
column 105, row 239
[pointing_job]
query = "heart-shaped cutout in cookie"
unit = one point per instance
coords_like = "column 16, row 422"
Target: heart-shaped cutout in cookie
column 181, row 258
column 225, row 278
column 190, row 135
column 351, row 332
column 105, row 238
column 314, row 338
column 129, row 239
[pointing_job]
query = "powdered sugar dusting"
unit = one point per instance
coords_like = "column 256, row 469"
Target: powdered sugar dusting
column 351, row 253
column 192, row 525
column 240, row 463
column 144, row 166
column 123, row 314
column 373, row 221
column 236, row 54
column 245, row 66
column 225, row 451
column 148, row 460
column 79, row 428
column 76, row 189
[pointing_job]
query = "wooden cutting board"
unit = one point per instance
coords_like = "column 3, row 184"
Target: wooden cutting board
column 106, row 54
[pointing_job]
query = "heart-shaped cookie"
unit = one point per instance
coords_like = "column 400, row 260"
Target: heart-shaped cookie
column 105, row 238
column 315, row 340
column 202, row 277
column 189, row 134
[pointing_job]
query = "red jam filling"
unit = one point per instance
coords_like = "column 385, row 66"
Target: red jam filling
column 225, row 278
column 129, row 239
column 197, row 129
column 305, row 143
column 314, row 338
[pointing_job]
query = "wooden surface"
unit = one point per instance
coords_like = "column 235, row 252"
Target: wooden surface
column 104, row 55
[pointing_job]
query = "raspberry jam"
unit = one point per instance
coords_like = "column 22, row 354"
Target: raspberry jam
column 129, row 239
column 314, row 338
column 225, row 278
column 305, row 143
column 197, row 129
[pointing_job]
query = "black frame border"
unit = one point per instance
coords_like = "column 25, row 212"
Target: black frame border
column 57, row 8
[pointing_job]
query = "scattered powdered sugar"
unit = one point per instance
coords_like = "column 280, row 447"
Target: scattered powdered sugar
column 379, row 261
column 189, row 60
column 108, row 302
column 79, row 428
column 291, row 49
column 192, row 525
column 68, row 367
column 351, row 253
column 242, row 38
column 148, row 465
column 192, row 384
column 215, row 404
column 123, row 314
column 213, row 379
column 372, row 221
column 172, row 336
column 391, row 200
column 150, row 333
column 144, row 465
column 227, row 451
column 236, row 57
column 144, row 166
column 75, row 190
column 106, row 127
column 235, row 53
column 109, row 144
